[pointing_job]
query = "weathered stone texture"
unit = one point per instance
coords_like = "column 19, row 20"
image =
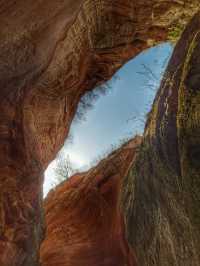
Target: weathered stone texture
column 83, row 218
column 51, row 53
column 163, row 218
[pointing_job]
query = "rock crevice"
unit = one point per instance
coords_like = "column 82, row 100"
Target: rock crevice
column 52, row 52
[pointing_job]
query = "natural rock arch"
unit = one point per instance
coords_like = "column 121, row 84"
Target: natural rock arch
column 51, row 53
column 160, row 193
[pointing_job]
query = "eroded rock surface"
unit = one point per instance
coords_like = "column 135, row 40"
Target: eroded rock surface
column 51, row 52
column 163, row 217
column 84, row 222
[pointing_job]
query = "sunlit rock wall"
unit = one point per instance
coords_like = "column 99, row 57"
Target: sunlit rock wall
column 83, row 219
column 51, row 53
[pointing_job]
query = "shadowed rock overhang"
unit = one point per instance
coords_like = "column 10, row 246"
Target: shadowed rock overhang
column 51, row 53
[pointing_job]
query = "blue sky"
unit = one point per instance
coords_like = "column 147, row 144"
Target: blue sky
column 118, row 114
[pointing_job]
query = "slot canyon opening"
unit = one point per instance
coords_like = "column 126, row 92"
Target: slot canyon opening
column 138, row 200
column 117, row 113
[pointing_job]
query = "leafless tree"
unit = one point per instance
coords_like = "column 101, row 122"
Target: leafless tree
column 90, row 97
column 63, row 169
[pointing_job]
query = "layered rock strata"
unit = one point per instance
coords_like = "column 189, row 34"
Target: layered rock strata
column 52, row 52
column 84, row 222
column 163, row 217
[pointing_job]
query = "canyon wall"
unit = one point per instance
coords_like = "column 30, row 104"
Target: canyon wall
column 83, row 219
column 163, row 217
column 52, row 52
column 156, row 192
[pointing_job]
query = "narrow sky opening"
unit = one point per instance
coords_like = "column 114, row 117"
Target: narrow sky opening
column 118, row 115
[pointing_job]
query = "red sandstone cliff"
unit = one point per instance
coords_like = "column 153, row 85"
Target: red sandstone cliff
column 163, row 216
column 83, row 217
column 51, row 52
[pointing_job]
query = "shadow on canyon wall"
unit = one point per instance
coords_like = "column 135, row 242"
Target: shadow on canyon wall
column 52, row 52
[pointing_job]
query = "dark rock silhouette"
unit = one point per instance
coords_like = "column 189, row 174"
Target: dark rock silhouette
column 163, row 217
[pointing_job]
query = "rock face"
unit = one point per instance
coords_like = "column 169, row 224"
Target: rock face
column 51, row 52
column 83, row 218
column 163, row 218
